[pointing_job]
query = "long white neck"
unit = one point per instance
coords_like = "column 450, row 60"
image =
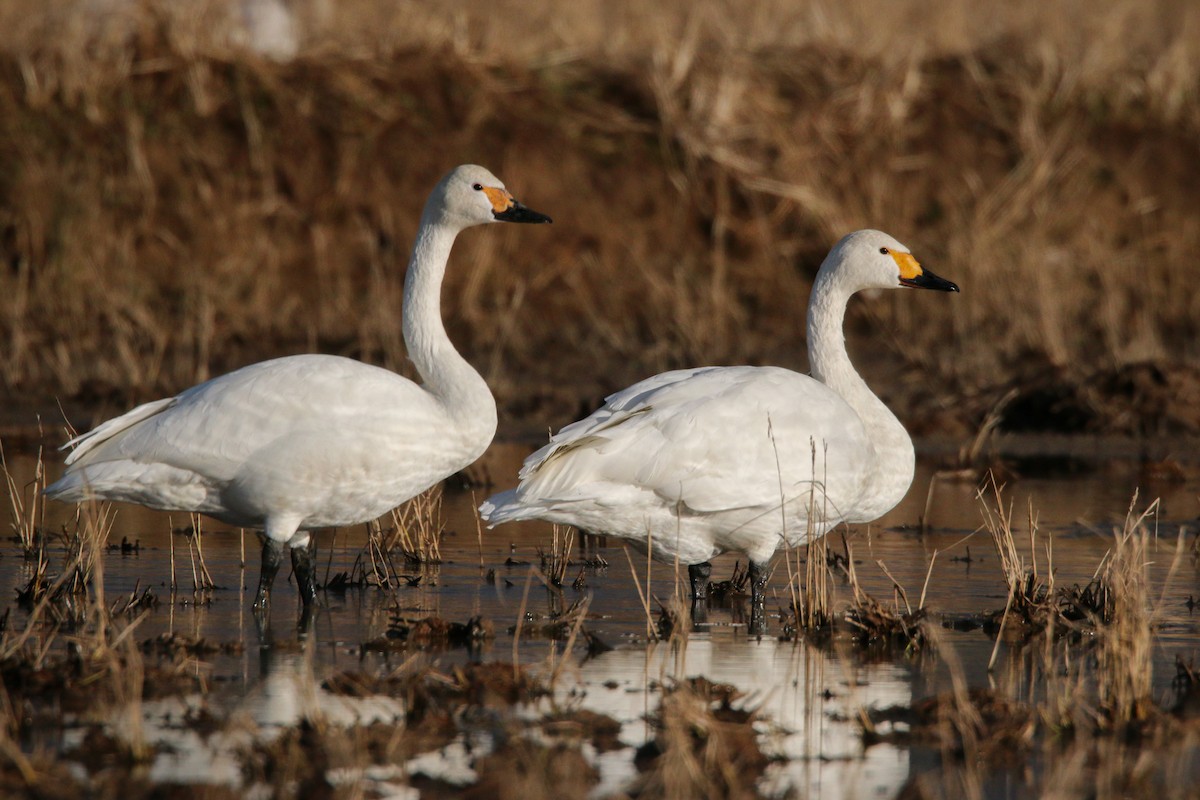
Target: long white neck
column 891, row 472
column 446, row 374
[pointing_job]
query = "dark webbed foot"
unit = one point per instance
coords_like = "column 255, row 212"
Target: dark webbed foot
column 272, row 557
column 758, row 581
column 305, row 567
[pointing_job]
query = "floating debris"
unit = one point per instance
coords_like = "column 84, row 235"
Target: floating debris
column 126, row 547
column 176, row 645
column 431, row 632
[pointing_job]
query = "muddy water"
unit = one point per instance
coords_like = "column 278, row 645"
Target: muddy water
column 809, row 697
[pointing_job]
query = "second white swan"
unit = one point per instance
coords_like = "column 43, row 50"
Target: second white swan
column 697, row 462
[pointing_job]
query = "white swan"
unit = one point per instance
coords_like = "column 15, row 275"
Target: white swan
column 697, row 462
column 313, row 441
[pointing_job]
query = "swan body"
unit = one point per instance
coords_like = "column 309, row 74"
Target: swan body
column 242, row 446
column 313, row 441
column 697, row 462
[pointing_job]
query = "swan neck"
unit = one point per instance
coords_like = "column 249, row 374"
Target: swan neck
column 444, row 372
column 830, row 364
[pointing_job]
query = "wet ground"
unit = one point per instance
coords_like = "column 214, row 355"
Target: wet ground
column 252, row 685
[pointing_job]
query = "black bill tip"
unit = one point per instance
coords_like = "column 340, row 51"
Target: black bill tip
column 519, row 213
column 927, row 280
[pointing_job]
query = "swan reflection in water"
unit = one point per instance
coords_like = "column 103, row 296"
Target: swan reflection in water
column 807, row 698
column 807, row 701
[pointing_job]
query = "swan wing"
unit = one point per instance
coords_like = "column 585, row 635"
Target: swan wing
column 216, row 428
column 708, row 439
column 84, row 443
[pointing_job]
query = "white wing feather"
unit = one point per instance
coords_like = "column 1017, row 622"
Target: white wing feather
column 710, row 439
column 260, row 404
column 371, row 425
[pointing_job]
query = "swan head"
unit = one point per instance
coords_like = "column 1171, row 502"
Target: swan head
column 873, row 260
column 470, row 195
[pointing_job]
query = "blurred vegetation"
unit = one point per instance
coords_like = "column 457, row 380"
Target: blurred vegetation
column 175, row 203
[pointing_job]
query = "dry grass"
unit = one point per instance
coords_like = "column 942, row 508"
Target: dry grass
column 557, row 560
column 417, row 528
column 176, row 207
column 415, row 535
column 1121, row 613
column 26, row 505
column 812, row 593
column 886, row 629
column 75, row 653
column 202, row 581
column 1074, row 705
column 894, row 626
column 1081, row 708
column 1030, row 607
column 1129, row 614
column 1115, row 609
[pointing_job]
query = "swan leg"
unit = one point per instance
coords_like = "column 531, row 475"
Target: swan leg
column 759, row 571
column 304, row 565
column 698, row 574
column 272, row 557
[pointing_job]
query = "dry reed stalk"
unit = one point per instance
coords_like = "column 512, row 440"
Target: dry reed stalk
column 555, row 563
column 86, row 587
column 674, row 623
column 48, row 595
column 201, row 581
column 1029, row 594
column 171, row 547
column 874, row 623
column 381, row 566
column 371, row 567
column 417, row 528
column 643, row 596
column 26, row 504
column 478, row 530
column 1125, row 660
column 997, row 518
column 812, row 600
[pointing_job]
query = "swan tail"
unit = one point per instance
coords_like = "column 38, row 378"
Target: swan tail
column 158, row 486
column 84, row 443
column 505, row 507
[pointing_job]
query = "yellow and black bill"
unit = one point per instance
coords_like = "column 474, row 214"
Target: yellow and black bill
column 914, row 275
column 506, row 208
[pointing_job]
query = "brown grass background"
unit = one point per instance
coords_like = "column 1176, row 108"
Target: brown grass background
column 174, row 205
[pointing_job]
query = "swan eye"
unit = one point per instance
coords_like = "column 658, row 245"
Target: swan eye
column 883, row 250
column 477, row 187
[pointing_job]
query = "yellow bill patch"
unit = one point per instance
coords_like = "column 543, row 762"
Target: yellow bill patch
column 501, row 199
column 909, row 267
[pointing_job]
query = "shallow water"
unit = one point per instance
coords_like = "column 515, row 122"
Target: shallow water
column 809, row 697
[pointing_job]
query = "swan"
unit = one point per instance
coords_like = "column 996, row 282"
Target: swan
column 312, row 441
column 696, row 462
